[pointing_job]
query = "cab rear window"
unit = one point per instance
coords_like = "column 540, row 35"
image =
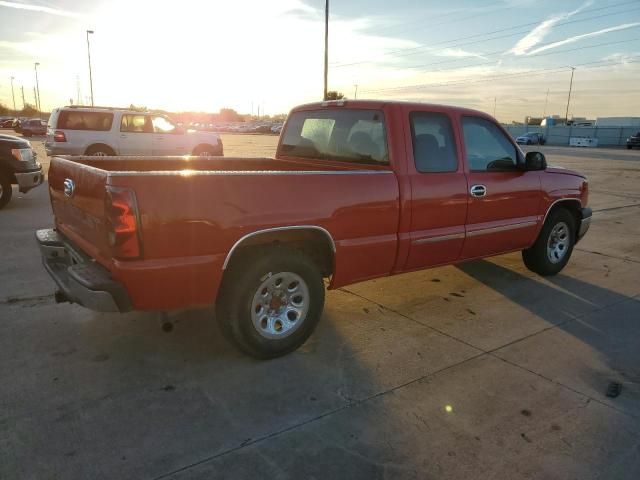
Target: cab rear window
column 348, row 135
column 73, row 120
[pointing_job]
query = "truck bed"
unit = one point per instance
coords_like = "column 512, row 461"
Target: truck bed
column 192, row 211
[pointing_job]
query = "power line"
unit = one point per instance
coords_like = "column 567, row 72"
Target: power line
column 404, row 52
column 555, row 52
column 543, row 71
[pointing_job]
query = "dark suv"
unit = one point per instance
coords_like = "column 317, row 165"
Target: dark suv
column 18, row 165
column 633, row 141
column 33, row 127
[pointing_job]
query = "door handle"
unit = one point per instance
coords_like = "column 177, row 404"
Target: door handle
column 478, row 190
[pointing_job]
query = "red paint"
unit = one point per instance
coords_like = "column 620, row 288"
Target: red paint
column 381, row 223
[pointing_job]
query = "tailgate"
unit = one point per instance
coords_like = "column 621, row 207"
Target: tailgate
column 78, row 200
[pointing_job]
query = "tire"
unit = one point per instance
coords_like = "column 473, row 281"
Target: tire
column 256, row 320
column 206, row 151
column 100, row 151
column 553, row 247
column 5, row 189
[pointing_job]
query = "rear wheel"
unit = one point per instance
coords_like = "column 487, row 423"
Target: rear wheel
column 100, row 151
column 552, row 250
column 5, row 189
column 270, row 301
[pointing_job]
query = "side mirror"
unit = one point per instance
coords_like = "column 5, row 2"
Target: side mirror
column 534, row 161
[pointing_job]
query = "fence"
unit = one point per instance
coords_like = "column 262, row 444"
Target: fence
column 560, row 134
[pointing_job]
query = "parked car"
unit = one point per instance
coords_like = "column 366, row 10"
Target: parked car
column 7, row 123
column 357, row 190
column 18, row 165
column 531, row 138
column 108, row 131
column 35, row 126
column 633, row 141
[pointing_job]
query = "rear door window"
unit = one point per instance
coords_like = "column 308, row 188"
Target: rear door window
column 346, row 135
column 434, row 148
column 135, row 124
column 79, row 120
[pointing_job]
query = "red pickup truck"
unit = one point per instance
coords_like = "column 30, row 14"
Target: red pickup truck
column 357, row 190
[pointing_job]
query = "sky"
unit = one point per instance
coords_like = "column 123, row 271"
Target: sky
column 508, row 57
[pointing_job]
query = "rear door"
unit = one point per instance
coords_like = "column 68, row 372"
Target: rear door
column 136, row 134
column 503, row 199
column 438, row 190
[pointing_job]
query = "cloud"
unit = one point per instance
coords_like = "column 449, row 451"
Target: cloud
column 576, row 38
column 40, row 8
column 536, row 35
column 458, row 53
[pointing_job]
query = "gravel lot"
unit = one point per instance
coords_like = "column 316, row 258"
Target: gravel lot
column 483, row 370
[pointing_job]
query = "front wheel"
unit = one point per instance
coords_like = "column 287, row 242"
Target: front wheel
column 270, row 301
column 552, row 250
column 5, row 189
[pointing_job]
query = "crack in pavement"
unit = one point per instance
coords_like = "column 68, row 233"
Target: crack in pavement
column 616, row 208
column 16, row 300
column 626, row 259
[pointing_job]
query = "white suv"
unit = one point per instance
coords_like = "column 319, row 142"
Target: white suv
column 110, row 131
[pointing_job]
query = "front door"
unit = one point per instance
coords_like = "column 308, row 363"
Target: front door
column 135, row 135
column 503, row 199
column 438, row 191
column 167, row 138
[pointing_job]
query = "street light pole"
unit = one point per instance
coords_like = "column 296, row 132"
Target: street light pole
column 326, row 47
column 89, row 56
column 23, row 104
column 38, row 105
column 566, row 115
column 13, row 97
column 355, row 94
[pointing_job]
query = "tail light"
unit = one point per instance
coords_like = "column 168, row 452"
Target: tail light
column 59, row 136
column 123, row 225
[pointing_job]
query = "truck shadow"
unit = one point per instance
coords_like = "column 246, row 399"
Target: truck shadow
column 603, row 322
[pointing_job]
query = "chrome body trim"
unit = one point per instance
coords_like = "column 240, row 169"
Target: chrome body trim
column 277, row 229
column 439, row 238
column 501, row 228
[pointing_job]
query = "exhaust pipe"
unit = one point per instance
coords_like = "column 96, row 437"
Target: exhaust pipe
column 61, row 297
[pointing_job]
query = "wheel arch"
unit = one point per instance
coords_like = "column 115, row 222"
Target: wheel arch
column 573, row 205
column 214, row 147
column 102, row 145
column 314, row 240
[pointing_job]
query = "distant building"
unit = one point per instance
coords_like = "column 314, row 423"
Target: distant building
column 618, row 122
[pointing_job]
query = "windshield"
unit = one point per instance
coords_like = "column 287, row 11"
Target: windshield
column 347, row 135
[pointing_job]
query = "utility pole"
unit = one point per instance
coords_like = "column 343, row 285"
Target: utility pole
column 23, row 104
column 566, row 115
column 326, row 47
column 89, row 56
column 35, row 97
column 13, row 97
column 544, row 114
column 495, row 103
column 38, row 106
column 355, row 94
